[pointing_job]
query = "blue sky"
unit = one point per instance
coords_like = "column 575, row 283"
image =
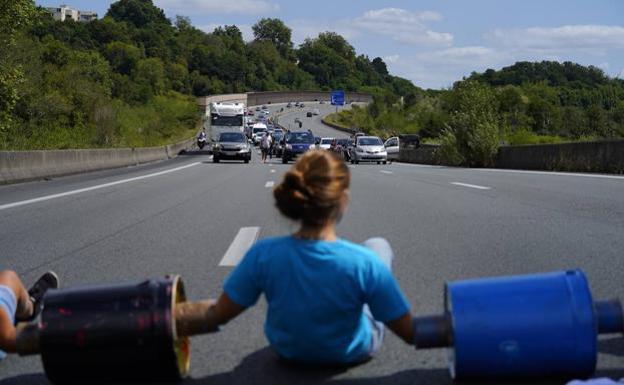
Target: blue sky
column 432, row 43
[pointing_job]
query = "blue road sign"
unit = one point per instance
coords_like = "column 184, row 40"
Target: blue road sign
column 337, row 98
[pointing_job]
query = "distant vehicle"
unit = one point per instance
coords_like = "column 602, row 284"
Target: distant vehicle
column 289, row 105
column 224, row 117
column 296, row 143
column 406, row 141
column 326, row 143
column 316, row 111
column 301, row 105
column 231, row 145
column 201, row 140
column 322, row 102
column 257, row 131
column 264, row 107
column 297, row 120
column 368, row 149
column 296, row 104
column 266, row 112
column 309, row 114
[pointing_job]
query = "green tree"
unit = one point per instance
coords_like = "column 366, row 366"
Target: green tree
column 140, row 13
column 122, row 57
column 275, row 31
column 15, row 16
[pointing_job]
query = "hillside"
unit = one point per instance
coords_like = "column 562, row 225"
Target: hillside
column 130, row 78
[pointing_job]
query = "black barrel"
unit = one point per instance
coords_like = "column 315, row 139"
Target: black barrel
column 112, row 333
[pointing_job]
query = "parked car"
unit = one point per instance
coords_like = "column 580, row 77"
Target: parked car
column 368, row 149
column 296, row 143
column 231, row 145
column 326, row 143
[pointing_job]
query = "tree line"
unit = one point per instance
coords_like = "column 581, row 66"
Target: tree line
column 130, row 78
column 525, row 103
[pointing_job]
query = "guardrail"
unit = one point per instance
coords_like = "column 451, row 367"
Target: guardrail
column 22, row 166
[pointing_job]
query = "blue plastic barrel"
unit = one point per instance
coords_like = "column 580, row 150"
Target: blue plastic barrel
column 522, row 326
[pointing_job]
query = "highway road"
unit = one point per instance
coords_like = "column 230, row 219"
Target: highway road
column 182, row 216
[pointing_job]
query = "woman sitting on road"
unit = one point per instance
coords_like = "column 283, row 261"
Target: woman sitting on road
column 328, row 298
column 19, row 305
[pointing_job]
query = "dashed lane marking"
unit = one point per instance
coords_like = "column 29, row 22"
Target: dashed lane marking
column 471, row 186
column 242, row 242
column 386, row 172
column 269, row 184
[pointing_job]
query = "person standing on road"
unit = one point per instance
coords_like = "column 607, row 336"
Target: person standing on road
column 265, row 145
column 271, row 146
column 19, row 305
column 328, row 298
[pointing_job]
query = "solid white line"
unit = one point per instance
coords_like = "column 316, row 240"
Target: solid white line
column 269, row 184
column 386, row 172
column 242, row 242
column 97, row 187
column 471, row 186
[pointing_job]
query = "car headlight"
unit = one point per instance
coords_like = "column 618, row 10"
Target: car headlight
column 383, row 152
column 312, row 146
column 289, row 146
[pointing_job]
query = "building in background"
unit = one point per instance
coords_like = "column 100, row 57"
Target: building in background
column 64, row 12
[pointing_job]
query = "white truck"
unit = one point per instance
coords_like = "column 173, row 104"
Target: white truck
column 224, row 117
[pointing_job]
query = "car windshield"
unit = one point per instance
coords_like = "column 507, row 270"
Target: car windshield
column 369, row 142
column 258, row 129
column 300, row 137
column 277, row 135
column 229, row 121
column 326, row 141
column 232, row 137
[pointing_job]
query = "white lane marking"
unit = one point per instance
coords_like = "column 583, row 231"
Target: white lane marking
column 386, row 172
column 509, row 171
column 471, row 186
column 269, row 184
column 97, row 187
column 242, row 242
column 272, row 171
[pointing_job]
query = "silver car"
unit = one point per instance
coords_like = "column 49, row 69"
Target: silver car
column 368, row 149
column 231, row 145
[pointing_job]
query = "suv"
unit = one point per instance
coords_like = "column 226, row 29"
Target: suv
column 368, row 149
column 231, row 145
column 296, row 143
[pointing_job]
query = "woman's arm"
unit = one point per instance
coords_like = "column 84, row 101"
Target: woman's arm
column 403, row 327
column 205, row 316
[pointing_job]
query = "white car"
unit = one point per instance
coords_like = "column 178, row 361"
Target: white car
column 368, row 149
column 326, row 143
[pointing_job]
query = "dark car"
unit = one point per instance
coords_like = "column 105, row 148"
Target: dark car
column 231, row 145
column 309, row 114
column 296, row 143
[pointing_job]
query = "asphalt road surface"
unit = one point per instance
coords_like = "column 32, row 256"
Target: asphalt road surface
column 181, row 216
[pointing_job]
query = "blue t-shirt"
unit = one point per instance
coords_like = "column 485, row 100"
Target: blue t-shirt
column 316, row 291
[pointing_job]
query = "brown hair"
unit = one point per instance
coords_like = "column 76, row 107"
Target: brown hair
column 313, row 190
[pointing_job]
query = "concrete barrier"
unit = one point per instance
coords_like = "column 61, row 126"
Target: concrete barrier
column 602, row 156
column 269, row 97
column 22, row 166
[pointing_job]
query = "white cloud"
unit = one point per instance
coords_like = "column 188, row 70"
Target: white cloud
column 244, row 28
column 563, row 38
column 403, row 26
column 210, row 7
column 303, row 29
column 391, row 59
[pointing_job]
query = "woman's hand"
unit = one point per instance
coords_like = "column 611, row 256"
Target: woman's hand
column 403, row 327
column 205, row 316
